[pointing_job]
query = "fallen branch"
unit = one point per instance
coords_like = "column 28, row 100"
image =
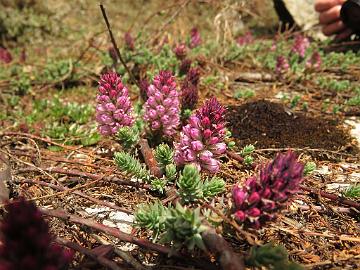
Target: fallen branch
column 87, row 175
column 100, row 259
column 332, row 197
column 149, row 158
column 254, row 77
column 77, row 192
column 129, row 238
column 228, row 259
column 110, row 231
column 123, row 255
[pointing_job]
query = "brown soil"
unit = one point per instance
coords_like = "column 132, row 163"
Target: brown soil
column 268, row 125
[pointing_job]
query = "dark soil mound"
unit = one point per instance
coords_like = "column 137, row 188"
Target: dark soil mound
column 267, row 125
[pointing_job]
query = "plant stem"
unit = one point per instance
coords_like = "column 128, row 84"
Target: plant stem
column 100, row 259
column 116, row 47
column 332, row 197
column 149, row 158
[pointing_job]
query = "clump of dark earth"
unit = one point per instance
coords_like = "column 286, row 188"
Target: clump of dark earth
column 270, row 125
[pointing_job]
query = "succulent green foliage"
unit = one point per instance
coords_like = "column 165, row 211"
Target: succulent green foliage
column 190, row 185
column 309, row 168
column 272, row 257
column 183, row 226
column 170, row 172
column 247, row 150
column 28, row 24
column 67, row 122
column 22, row 85
column 334, row 85
column 164, row 155
column 192, row 188
column 248, row 160
column 128, row 136
column 354, row 101
column 213, row 187
column 151, row 216
column 353, row 191
column 186, row 113
column 56, row 70
column 244, row 93
column 131, row 166
column 295, row 101
column 158, row 184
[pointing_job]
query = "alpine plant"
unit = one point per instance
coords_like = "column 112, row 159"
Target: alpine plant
column 184, row 66
column 202, row 139
column 314, row 62
column 129, row 41
column 162, row 108
column 180, row 51
column 5, row 56
column 262, row 196
column 301, row 44
column 282, row 65
column 25, row 240
column 189, row 91
column 114, row 109
column 195, row 38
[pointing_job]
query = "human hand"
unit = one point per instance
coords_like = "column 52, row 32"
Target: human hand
column 330, row 19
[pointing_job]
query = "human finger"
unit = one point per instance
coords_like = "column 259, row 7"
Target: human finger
column 333, row 28
column 344, row 34
column 322, row 5
column 330, row 15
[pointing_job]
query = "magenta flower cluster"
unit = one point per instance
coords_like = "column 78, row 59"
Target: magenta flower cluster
column 5, row 56
column 162, row 108
column 195, row 38
column 114, row 109
column 184, row 66
column 282, row 65
column 314, row 61
column 301, row 44
column 202, row 139
column 180, row 51
column 258, row 200
column 25, row 240
column 189, row 90
column 144, row 85
column 245, row 39
column 129, row 41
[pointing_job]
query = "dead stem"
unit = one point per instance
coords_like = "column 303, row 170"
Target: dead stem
column 333, row 197
column 113, row 41
column 100, row 259
column 88, row 175
column 149, row 158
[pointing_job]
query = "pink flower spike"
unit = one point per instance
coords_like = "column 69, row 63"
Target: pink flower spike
column 206, row 128
column 114, row 108
column 180, row 51
column 195, row 38
column 301, row 44
column 162, row 110
column 256, row 202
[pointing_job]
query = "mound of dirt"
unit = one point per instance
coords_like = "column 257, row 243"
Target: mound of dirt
column 267, row 125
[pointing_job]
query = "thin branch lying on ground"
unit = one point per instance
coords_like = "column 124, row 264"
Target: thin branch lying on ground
column 88, row 175
column 124, row 255
column 48, row 141
column 110, row 231
column 113, row 41
column 332, row 197
column 77, row 192
column 100, row 259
